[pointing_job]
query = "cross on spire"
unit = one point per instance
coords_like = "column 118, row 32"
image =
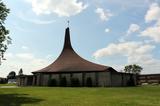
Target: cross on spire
column 68, row 23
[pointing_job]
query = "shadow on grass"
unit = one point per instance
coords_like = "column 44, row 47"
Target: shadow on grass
column 17, row 99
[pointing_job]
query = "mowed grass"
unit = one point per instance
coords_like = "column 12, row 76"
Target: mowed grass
column 56, row 96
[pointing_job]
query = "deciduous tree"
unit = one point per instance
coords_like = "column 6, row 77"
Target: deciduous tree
column 136, row 69
column 4, row 38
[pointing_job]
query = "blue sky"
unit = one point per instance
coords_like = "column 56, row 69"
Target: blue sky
column 110, row 32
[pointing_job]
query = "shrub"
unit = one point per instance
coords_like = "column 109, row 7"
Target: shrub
column 63, row 82
column 89, row 82
column 131, row 82
column 75, row 82
column 52, row 82
column 3, row 80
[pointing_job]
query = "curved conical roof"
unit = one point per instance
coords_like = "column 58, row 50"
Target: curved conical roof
column 70, row 61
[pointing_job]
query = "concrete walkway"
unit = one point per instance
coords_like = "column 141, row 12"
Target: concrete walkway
column 8, row 86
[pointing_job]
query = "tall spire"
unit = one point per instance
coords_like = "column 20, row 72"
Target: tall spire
column 67, row 41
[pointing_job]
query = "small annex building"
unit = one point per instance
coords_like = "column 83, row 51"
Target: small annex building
column 69, row 69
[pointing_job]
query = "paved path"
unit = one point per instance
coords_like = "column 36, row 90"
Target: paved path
column 8, row 86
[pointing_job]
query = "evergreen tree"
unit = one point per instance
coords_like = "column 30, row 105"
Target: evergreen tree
column 20, row 72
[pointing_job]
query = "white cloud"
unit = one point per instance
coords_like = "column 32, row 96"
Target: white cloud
column 103, row 14
column 59, row 7
column 153, row 13
column 135, row 52
column 133, row 28
column 107, row 30
column 125, row 48
column 25, row 47
column 34, row 21
column 8, row 55
column 27, row 61
column 152, row 32
column 25, row 56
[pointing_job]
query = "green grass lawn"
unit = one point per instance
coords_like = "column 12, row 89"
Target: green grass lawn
column 48, row 96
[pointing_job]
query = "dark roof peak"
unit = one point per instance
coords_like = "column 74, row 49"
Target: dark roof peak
column 67, row 41
column 70, row 61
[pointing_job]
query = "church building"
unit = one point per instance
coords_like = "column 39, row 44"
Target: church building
column 71, row 70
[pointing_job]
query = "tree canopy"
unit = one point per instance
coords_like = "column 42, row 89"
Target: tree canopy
column 136, row 69
column 4, row 38
column 11, row 75
column 20, row 72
